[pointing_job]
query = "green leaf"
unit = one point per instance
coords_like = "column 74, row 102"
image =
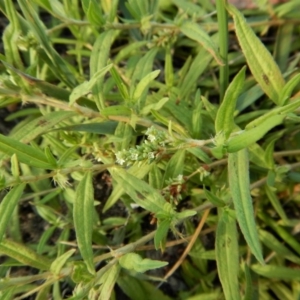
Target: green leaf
column 214, row 199
column 248, row 97
column 15, row 171
column 197, row 121
column 60, row 261
column 8, row 205
column 143, row 84
column 24, row 255
column 129, row 50
column 185, row 214
column 196, row 33
column 257, row 155
column 118, row 191
column 169, row 70
column 154, row 106
column 211, row 108
column 259, row 59
column 41, row 125
column 120, row 84
column 256, row 129
column 116, row 110
column 166, row 121
column 137, row 9
column 278, row 111
column 288, row 89
column 107, row 282
column 182, row 112
column 80, row 273
column 133, row 261
column 276, row 203
column 161, row 232
column 268, row 157
column 144, row 65
column 93, row 12
column 277, row 272
column 87, row 86
column 281, row 232
column 140, row 192
column 155, row 177
column 44, row 239
column 83, row 214
column 200, row 154
column 190, row 8
column 175, row 166
column 225, row 115
column 277, row 246
column 98, row 61
column 25, row 154
column 239, row 183
column 198, row 66
column 227, row 255
column 137, row 289
column 249, row 290
column 286, row 9
column 37, row 28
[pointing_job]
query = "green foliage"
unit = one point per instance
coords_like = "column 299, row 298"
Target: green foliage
column 129, row 120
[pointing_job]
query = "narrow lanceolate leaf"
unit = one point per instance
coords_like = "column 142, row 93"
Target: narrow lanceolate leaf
column 256, row 129
column 278, row 111
column 143, row 84
column 239, row 183
column 175, row 166
column 25, row 154
column 161, row 232
column 86, row 86
column 288, row 89
column 140, row 192
column 277, row 272
column 7, row 207
column 133, row 261
column 25, row 255
column 37, row 28
column 98, row 61
column 249, row 289
column 83, row 214
column 225, row 116
column 107, row 282
column 227, row 255
column 249, row 137
column 41, row 125
column 260, row 61
column 60, row 261
column 196, row 33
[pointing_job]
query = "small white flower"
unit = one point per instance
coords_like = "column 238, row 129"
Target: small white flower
column 151, row 155
column 120, row 161
column 151, row 138
column 203, row 173
column 120, row 158
column 149, row 130
column 134, row 156
column 179, row 178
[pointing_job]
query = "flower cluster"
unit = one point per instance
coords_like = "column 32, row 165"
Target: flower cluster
column 156, row 140
column 203, row 173
column 174, row 189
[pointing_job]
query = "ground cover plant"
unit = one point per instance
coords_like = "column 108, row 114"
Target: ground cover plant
column 150, row 150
